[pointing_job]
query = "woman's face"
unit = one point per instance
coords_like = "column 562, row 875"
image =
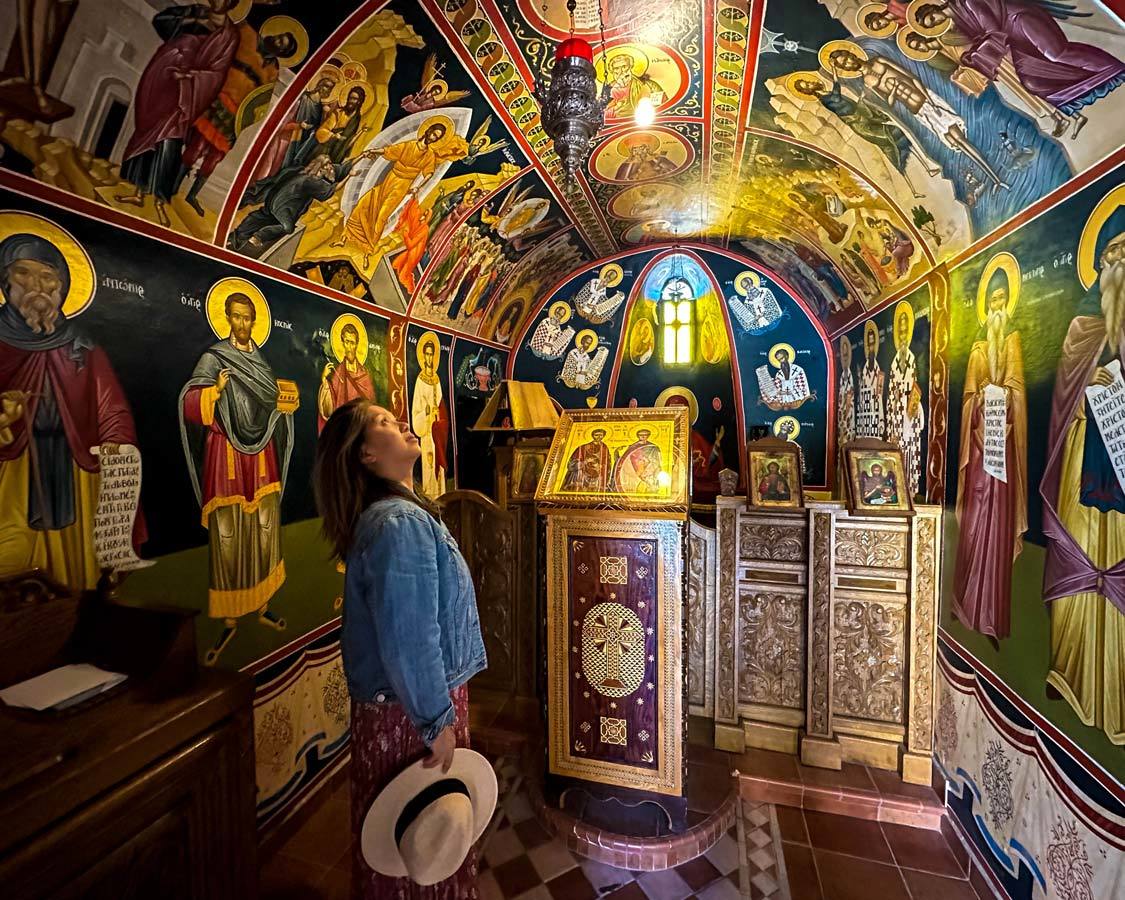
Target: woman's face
column 389, row 446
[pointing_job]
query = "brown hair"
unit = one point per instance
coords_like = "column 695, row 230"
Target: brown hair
column 344, row 487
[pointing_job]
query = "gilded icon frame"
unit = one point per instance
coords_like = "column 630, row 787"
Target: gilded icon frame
column 869, row 452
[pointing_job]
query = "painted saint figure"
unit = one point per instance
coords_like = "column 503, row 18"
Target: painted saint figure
column 754, row 306
column 237, row 433
column 583, row 367
column 1067, row 74
column 774, row 485
column 594, row 302
column 348, row 377
column 869, row 419
column 845, row 402
column 706, row 456
column 645, row 159
column 894, row 84
column 412, row 162
column 877, row 488
column 905, row 417
column 637, row 468
column 60, row 406
column 791, row 385
column 177, row 86
column 428, row 417
column 1083, row 501
column 588, row 469
column 991, row 511
column 628, row 89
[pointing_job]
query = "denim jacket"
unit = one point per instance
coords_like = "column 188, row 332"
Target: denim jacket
column 411, row 633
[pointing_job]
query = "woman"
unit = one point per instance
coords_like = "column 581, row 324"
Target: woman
column 411, row 636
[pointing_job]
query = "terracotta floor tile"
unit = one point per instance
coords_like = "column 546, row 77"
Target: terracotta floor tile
column 551, row 859
column 698, row 873
column 502, row 846
column 709, row 756
column 924, row 886
column 851, row 777
column 488, row 888
column 801, row 869
column 919, row 848
column 665, row 885
column 857, row 837
column 326, row 834
column 766, row 764
column 948, row 831
column 707, row 787
column 981, row 884
column 892, row 785
column 539, row 892
column 722, row 889
column 848, row 878
column 516, row 876
column 792, row 824
column 572, row 885
column 604, row 877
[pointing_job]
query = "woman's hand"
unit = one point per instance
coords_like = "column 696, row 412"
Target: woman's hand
column 441, row 750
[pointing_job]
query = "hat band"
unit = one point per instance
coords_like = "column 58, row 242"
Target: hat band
column 424, row 798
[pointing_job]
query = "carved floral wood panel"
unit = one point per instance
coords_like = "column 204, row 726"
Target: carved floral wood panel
column 700, row 609
column 820, row 625
column 771, row 649
column 776, row 543
column 920, row 736
column 724, row 639
column 870, row 547
column 868, row 652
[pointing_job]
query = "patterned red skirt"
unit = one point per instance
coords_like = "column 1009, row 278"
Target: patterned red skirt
column 383, row 744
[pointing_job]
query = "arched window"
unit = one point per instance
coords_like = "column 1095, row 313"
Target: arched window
column 677, row 316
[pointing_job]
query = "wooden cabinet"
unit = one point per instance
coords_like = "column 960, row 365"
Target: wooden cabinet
column 824, row 630
column 148, row 793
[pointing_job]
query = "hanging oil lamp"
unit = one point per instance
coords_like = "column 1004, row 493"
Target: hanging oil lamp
column 572, row 110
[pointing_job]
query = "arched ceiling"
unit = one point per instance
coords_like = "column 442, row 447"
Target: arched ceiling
column 767, row 140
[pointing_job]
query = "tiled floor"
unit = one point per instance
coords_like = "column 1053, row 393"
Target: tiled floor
column 520, row 860
column 841, row 858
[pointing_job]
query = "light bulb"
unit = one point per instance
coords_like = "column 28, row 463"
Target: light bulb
column 645, row 113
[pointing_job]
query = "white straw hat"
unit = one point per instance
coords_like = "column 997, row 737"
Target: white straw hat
column 424, row 822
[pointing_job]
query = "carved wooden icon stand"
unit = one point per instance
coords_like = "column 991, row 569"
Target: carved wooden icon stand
column 615, row 493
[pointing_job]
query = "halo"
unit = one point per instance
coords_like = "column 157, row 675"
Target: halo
column 354, row 71
column 240, row 11
column 640, row 61
column 83, row 283
column 741, row 277
column 563, row 305
column 844, row 342
column 336, row 337
column 217, row 309
column 786, row 347
column 331, row 72
column 343, row 88
column 907, row 50
column 912, row 20
column 874, row 329
column 828, row 49
column 424, row 341
column 865, row 11
column 443, row 85
column 679, row 391
column 1010, row 266
column 793, row 77
column 430, row 121
column 777, row 426
column 903, row 307
column 275, row 25
column 1088, row 243
column 611, row 275
column 639, row 139
column 585, row 331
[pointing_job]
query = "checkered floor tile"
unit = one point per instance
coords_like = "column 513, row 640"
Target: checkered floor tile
column 521, row 861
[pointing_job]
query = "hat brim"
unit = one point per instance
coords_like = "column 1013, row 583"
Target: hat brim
column 377, row 836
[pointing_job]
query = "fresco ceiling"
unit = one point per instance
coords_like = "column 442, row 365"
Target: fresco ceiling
column 845, row 146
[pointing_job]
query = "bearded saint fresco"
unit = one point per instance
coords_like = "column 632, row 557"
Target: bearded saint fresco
column 991, row 512
column 1084, row 505
column 60, row 403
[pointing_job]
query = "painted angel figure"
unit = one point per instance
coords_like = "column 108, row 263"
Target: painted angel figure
column 434, row 92
column 583, row 367
column 481, row 144
column 595, row 304
column 550, row 338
